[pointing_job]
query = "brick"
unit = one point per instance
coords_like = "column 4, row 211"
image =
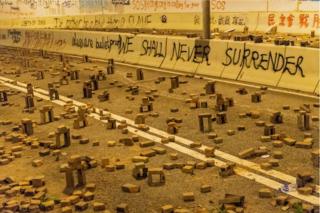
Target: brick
column 4, row 161
column 37, row 163
column 167, row 209
column 16, row 148
column 88, row 196
column 147, row 143
column 260, row 123
column 91, row 187
column 174, row 156
column 231, row 132
column 47, row 206
column 201, row 165
column 307, row 207
column 111, row 143
column 110, row 168
column 97, row 206
column 265, row 193
column 188, row 169
column 274, row 162
column 277, row 154
column 188, row 196
column 122, row 208
column 289, row 141
column 73, row 199
column 265, row 138
column 205, row 188
column 66, row 209
column 281, row 200
column 168, row 166
column 130, row 188
column 195, row 145
column 81, row 206
column 148, row 153
column 305, row 190
column 191, row 163
column 306, row 144
column 212, row 135
column 266, row 166
column 137, row 159
column 159, row 150
column 104, row 162
column 84, row 141
column 218, row 140
column 277, row 144
column 209, row 152
column 120, row 165
column 246, row 153
column 37, row 181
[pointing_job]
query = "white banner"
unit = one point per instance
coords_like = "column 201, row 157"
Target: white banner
column 41, row 8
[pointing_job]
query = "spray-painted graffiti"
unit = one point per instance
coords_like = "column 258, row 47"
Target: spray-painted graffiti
column 43, row 40
column 121, row 42
column 154, row 48
column 15, row 35
column 275, row 61
column 170, row 49
column 195, row 53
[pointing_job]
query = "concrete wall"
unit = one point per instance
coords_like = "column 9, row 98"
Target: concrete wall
column 293, row 68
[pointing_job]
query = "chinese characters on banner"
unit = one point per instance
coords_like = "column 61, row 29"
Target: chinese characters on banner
column 298, row 20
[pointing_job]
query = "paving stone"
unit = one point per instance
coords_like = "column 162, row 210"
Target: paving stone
column 88, row 196
column 168, row 166
column 277, row 154
column 81, row 206
column 274, row 162
column 247, row 153
column 277, row 144
column 37, row 163
column 266, row 166
column 137, row 159
column 265, row 193
column 66, row 209
column 97, row 206
column 201, row 165
column 306, row 144
column 173, row 156
column 289, row 141
column 218, row 140
column 265, row 138
column 167, row 209
column 305, row 190
column 188, row 169
column 47, row 206
column 122, row 208
column 148, row 153
column 205, row 188
column 159, row 150
column 147, row 143
column 110, row 168
column 130, row 188
column 188, row 196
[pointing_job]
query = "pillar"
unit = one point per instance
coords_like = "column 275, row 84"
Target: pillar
column 206, row 11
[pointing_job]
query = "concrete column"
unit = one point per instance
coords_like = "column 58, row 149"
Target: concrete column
column 206, row 18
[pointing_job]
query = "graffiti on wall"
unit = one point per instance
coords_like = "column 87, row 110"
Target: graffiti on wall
column 275, row 61
column 176, row 50
column 15, row 35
